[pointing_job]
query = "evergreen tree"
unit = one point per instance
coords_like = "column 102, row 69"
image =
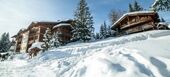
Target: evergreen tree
column 83, row 29
column 97, row 36
column 5, row 43
column 110, row 33
column 47, row 40
column 102, row 32
column 55, row 40
column 162, row 20
column 161, row 5
column 105, row 29
column 135, row 7
column 130, row 8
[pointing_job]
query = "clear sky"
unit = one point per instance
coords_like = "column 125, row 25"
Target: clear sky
column 17, row 14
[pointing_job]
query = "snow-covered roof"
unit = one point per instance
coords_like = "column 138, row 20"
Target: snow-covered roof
column 62, row 24
column 132, row 13
column 163, row 23
column 36, row 44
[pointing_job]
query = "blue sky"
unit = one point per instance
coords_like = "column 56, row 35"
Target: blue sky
column 17, row 14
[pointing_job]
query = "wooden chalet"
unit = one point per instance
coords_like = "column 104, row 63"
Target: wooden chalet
column 35, row 33
column 136, row 22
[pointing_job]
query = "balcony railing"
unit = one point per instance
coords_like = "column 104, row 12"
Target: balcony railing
column 135, row 23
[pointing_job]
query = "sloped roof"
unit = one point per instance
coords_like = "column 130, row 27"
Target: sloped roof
column 49, row 23
column 42, row 23
column 132, row 14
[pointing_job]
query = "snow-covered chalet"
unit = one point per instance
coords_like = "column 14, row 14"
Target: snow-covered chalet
column 35, row 33
column 139, row 21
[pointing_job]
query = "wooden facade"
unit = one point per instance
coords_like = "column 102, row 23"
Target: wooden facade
column 18, row 40
column 35, row 33
column 136, row 22
column 63, row 31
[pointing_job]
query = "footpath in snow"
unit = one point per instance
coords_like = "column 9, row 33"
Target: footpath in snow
column 138, row 55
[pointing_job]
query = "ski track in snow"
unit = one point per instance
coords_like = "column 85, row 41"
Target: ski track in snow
column 138, row 55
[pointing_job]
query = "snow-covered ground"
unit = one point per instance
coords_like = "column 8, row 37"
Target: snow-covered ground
column 144, row 54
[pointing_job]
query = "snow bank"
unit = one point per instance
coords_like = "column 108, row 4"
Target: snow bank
column 22, row 56
column 118, row 63
column 46, row 56
column 37, row 44
column 144, row 54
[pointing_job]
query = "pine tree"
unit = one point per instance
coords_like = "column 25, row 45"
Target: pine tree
column 97, row 36
column 102, row 32
column 105, row 29
column 130, row 8
column 161, row 5
column 135, row 7
column 55, row 40
column 162, row 20
column 109, row 32
column 83, row 29
column 5, row 43
column 47, row 40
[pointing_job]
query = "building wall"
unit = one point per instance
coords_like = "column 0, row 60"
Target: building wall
column 42, row 32
column 24, row 42
column 64, row 33
column 18, row 43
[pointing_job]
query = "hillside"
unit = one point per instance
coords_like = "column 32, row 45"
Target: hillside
column 137, row 55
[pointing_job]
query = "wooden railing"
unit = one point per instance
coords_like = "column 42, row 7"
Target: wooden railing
column 138, row 22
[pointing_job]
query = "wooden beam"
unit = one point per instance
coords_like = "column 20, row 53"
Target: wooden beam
column 138, row 17
column 128, row 20
column 39, row 31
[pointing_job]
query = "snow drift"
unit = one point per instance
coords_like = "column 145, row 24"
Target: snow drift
column 137, row 55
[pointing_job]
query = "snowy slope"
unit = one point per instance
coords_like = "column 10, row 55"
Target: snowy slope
column 138, row 55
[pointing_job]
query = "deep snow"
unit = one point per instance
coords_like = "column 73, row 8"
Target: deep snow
column 137, row 55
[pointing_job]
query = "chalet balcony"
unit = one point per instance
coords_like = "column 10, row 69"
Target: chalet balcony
column 135, row 23
column 65, row 34
column 33, row 37
column 19, row 41
column 34, row 31
column 33, row 34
